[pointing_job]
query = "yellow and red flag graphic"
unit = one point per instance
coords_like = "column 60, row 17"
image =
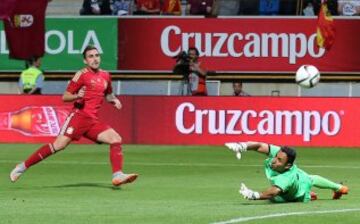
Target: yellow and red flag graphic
column 172, row 7
column 325, row 34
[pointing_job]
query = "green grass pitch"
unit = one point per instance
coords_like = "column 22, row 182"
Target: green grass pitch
column 177, row 184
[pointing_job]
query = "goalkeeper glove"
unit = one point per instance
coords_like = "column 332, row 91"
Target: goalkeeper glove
column 248, row 194
column 237, row 147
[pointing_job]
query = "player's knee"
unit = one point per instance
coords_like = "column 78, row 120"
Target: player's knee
column 59, row 146
column 115, row 139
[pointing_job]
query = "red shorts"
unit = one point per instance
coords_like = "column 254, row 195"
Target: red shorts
column 77, row 125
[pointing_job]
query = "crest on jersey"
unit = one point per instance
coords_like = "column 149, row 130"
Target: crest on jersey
column 92, row 83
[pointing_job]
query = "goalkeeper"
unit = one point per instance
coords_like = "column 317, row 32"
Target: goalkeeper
column 288, row 182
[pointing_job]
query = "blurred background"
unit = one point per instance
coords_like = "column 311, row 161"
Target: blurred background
column 116, row 26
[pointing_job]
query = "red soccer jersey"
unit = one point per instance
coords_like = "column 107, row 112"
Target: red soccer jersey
column 97, row 85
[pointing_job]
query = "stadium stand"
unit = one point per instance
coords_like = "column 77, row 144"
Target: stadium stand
column 64, row 7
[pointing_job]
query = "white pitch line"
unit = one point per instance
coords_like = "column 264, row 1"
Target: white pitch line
column 245, row 219
column 179, row 164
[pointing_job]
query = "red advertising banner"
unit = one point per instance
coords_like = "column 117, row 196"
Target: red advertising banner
column 38, row 119
column 237, row 44
column 215, row 120
column 196, row 120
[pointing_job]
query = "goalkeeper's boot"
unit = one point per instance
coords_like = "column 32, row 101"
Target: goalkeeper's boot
column 343, row 190
column 17, row 171
column 120, row 178
column 313, row 196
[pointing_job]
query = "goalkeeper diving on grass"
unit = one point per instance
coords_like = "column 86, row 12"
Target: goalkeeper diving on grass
column 288, row 182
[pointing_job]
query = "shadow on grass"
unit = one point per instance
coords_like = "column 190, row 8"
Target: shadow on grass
column 82, row 185
column 266, row 202
column 256, row 203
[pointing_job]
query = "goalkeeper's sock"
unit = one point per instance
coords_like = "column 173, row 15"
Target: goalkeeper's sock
column 116, row 157
column 43, row 152
column 323, row 183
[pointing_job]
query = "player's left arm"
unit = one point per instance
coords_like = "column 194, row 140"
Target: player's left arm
column 269, row 193
column 111, row 98
column 249, row 194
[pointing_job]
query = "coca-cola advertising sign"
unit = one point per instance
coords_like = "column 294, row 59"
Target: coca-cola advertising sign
column 35, row 120
column 240, row 45
column 195, row 120
column 38, row 119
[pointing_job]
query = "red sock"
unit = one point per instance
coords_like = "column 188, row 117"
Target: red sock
column 116, row 157
column 43, row 152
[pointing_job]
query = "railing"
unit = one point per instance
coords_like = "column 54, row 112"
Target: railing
column 143, row 75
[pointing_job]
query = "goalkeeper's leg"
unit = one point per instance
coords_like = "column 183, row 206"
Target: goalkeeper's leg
column 323, row 183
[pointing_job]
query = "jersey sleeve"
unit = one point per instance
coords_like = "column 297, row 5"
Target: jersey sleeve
column 273, row 150
column 21, row 83
column 202, row 66
column 76, row 82
column 109, row 89
column 40, row 81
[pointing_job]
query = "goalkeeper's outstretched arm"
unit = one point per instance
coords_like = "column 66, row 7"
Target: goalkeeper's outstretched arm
column 258, row 146
column 270, row 193
column 241, row 147
column 249, row 194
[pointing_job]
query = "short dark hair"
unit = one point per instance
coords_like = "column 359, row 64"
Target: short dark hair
column 290, row 153
column 30, row 62
column 237, row 82
column 194, row 49
column 88, row 48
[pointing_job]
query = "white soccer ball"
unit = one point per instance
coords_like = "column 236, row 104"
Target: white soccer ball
column 307, row 76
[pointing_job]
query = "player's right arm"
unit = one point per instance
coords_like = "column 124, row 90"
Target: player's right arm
column 269, row 193
column 258, row 146
column 70, row 97
column 75, row 90
column 240, row 147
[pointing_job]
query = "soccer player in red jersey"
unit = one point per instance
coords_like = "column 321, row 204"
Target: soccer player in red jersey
column 87, row 90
